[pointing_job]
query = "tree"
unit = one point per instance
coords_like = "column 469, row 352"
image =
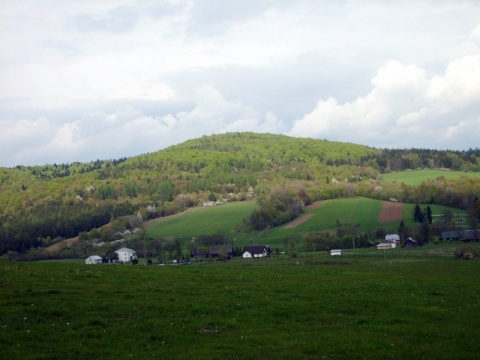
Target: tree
column 417, row 214
column 292, row 248
column 403, row 230
column 429, row 214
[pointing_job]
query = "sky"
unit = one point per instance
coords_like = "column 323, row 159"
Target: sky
column 87, row 80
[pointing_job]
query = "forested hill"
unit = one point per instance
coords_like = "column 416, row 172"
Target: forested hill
column 37, row 202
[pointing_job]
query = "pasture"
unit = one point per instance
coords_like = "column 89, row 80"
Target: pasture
column 202, row 221
column 410, row 303
column 416, row 177
column 361, row 213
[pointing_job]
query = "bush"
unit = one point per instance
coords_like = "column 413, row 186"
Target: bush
column 466, row 252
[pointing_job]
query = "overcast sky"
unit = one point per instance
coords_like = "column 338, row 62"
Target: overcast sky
column 86, row 80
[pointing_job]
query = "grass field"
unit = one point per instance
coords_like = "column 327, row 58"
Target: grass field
column 203, row 221
column 348, row 211
column 416, row 177
column 406, row 303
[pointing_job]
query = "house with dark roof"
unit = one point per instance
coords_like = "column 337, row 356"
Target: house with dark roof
column 258, row 251
column 409, row 242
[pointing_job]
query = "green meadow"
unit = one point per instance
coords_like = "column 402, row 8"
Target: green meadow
column 362, row 213
column 416, row 177
column 203, row 221
column 366, row 304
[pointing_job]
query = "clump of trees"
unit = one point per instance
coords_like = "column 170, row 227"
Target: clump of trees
column 280, row 207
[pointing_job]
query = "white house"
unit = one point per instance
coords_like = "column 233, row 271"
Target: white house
column 335, row 252
column 126, row 255
column 250, row 252
column 94, row 259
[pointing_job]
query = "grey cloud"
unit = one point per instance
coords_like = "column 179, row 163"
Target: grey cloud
column 117, row 20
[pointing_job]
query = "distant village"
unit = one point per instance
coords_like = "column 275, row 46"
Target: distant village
column 227, row 252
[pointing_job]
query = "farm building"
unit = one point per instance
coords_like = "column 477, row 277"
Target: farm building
column 450, row 235
column 409, row 242
column 392, row 238
column 258, row 251
column 386, row 246
column 470, row 235
column 94, row 259
column 336, row 252
column 126, row 255
column 461, row 235
column 217, row 251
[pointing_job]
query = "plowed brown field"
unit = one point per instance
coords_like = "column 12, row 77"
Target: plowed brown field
column 390, row 211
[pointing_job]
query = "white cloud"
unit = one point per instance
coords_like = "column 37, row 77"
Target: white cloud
column 107, row 79
column 405, row 108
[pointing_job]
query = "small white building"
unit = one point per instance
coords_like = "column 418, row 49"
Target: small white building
column 335, row 252
column 386, row 245
column 126, row 255
column 94, row 259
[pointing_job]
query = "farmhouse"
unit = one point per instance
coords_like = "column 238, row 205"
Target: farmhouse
column 94, row 259
column 126, row 255
column 257, row 251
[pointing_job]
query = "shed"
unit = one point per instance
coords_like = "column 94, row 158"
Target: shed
column 335, row 252
column 94, row 259
column 409, row 242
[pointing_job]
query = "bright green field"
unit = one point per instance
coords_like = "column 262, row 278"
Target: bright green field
column 203, row 221
column 416, row 177
column 415, row 304
column 349, row 211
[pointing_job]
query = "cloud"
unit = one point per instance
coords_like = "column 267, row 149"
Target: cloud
column 405, row 108
column 107, row 79
column 129, row 131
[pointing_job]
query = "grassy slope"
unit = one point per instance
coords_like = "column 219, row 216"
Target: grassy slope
column 362, row 305
column 418, row 176
column 226, row 218
column 203, row 221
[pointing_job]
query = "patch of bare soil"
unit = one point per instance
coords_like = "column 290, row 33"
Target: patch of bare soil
column 293, row 224
column 66, row 242
column 390, row 211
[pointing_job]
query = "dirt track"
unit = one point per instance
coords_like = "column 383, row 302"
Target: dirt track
column 297, row 221
column 67, row 242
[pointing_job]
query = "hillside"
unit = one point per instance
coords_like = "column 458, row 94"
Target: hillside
column 40, row 204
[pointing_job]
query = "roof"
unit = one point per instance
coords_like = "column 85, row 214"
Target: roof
column 410, row 239
column 215, row 249
column 257, row 249
column 95, row 257
column 125, row 250
column 392, row 237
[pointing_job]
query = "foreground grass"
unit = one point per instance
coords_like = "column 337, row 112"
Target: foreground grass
column 419, row 304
